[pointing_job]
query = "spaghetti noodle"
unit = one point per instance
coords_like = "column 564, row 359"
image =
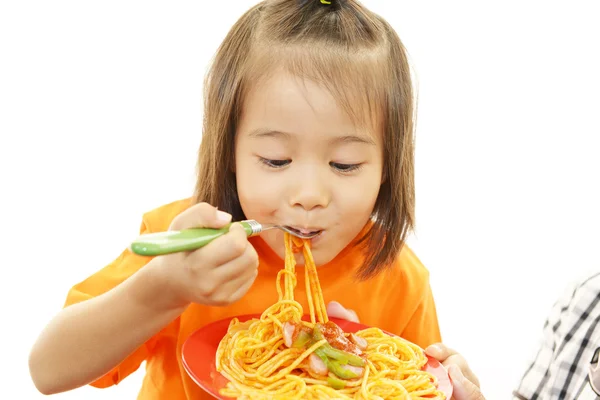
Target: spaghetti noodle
column 280, row 356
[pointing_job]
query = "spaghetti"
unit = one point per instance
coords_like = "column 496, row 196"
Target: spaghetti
column 280, row 356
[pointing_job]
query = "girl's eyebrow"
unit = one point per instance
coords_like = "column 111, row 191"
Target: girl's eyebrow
column 267, row 133
column 353, row 139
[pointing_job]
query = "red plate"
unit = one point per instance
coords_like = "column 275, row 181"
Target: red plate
column 199, row 350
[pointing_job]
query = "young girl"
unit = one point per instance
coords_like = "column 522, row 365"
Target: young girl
column 308, row 122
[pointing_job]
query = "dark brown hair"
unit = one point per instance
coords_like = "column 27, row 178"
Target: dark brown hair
column 352, row 52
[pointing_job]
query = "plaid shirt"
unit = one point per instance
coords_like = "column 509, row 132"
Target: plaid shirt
column 571, row 335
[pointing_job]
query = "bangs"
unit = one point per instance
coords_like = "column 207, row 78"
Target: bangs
column 357, row 80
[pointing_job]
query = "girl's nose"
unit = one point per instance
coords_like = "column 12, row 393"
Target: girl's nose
column 310, row 191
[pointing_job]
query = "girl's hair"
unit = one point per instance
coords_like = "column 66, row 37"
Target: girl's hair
column 347, row 49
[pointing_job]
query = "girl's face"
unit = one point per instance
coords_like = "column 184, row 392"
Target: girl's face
column 301, row 161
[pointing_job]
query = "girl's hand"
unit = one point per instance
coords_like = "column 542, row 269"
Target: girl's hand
column 464, row 381
column 465, row 388
column 217, row 274
column 336, row 310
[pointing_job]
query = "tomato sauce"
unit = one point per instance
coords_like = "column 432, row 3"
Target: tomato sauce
column 337, row 339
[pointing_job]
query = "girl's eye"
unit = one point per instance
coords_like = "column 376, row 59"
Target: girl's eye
column 275, row 163
column 345, row 168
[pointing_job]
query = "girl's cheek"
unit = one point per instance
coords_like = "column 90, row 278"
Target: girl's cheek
column 259, row 205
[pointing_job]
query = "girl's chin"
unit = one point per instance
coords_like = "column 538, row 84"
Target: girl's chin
column 319, row 259
column 275, row 242
column 299, row 257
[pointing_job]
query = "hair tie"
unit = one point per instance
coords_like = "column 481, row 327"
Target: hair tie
column 325, row 2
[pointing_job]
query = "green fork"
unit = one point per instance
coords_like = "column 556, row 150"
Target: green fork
column 160, row 243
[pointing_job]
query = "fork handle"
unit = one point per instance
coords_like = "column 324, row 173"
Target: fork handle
column 160, row 243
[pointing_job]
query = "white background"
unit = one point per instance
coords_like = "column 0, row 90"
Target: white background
column 100, row 120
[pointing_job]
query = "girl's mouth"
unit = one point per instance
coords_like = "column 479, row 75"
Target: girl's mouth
column 314, row 232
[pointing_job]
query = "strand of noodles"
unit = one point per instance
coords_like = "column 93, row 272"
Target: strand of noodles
column 253, row 356
column 313, row 286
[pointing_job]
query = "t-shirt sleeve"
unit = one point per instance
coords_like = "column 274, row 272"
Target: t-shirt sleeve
column 416, row 296
column 102, row 281
column 423, row 328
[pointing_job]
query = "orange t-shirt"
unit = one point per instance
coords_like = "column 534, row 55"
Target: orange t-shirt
column 399, row 301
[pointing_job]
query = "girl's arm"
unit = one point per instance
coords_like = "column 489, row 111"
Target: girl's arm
column 88, row 339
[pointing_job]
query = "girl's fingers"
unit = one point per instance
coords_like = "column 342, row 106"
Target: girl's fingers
column 222, row 250
column 448, row 356
column 243, row 265
column 440, row 351
column 336, row 310
column 236, row 289
column 460, row 362
column 463, row 388
column 201, row 215
column 226, row 283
